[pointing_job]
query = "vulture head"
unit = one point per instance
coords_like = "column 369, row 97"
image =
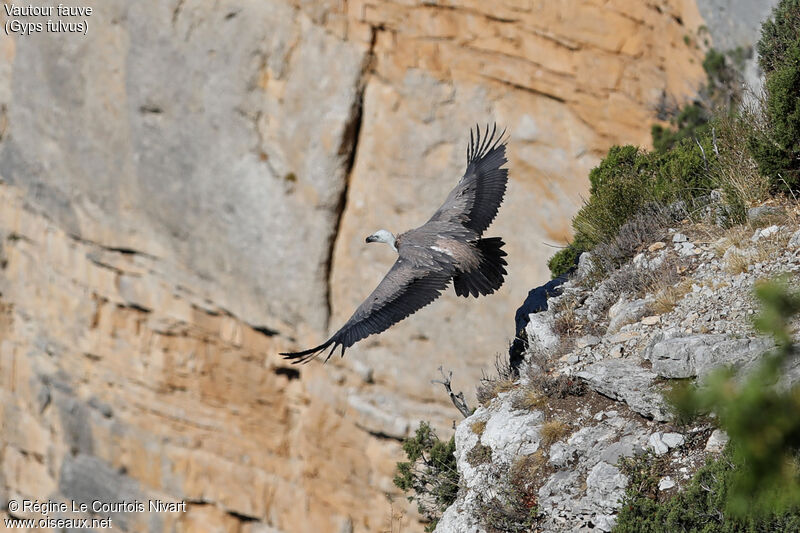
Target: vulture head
column 383, row 236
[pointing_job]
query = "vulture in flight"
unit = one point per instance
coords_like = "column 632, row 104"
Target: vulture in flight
column 447, row 247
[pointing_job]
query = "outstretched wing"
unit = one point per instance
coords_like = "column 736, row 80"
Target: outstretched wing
column 403, row 291
column 477, row 197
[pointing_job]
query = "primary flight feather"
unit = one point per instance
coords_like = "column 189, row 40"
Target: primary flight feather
column 449, row 246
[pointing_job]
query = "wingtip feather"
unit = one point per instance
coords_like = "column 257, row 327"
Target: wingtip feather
column 484, row 142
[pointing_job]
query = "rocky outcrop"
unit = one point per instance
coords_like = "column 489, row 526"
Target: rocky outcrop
column 688, row 327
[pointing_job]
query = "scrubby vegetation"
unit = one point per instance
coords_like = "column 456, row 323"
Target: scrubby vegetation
column 755, row 485
column 630, row 181
column 776, row 147
column 430, row 474
column 701, row 507
column 716, row 150
column 512, row 508
column 490, row 386
column 720, row 155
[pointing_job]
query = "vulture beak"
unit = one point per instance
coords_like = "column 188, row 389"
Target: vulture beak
column 372, row 238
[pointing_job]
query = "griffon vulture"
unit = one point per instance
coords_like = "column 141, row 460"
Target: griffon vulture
column 447, row 247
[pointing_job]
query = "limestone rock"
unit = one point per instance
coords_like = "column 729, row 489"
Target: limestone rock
column 794, row 240
column 697, row 355
column 86, row 479
column 626, row 312
column 624, row 380
column 540, row 331
column 605, row 484
column 755, row 213
column 717, row 441
column 143, row 389
column 765, row 232
column 248, row 135
column 666, row 483
column 661, row 443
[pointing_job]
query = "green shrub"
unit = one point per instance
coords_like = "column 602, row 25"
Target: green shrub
column 620, row 162
column 777, row 150
column 619, row 187
column 778, row 35
column 567, row 257
column 714, row 63
column 430, row 473
column 690, row 120
column 564, row 259
column 627, row 181
column 723, row 86
column 682, row 173
column 700, row 507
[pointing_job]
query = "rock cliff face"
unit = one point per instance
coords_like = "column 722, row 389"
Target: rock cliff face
column 118, row 385
column 188, row 189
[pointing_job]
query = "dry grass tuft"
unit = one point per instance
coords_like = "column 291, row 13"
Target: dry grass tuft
column 528, row 400
column 555, row 386
column 639, row 281
column 737, row 263
column 735, row 170
column 479, row 454
column 765, row 249
column 668, row 296
column 478, row 427
column 488, row 389
column 768, row 248
column 524, row 469
column 565, row 323
column 552, row 431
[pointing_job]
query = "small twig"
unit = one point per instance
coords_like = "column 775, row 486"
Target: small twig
column 788, row 187
column 714, row 140
column 457, row 399
column 702, row 150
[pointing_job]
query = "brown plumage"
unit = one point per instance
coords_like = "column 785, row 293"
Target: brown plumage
column 447, row 247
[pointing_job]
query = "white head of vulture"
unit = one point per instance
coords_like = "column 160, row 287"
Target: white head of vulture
column 447, row 247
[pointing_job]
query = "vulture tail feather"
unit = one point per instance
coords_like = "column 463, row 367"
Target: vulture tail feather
column 307, row 355
column 489, row 275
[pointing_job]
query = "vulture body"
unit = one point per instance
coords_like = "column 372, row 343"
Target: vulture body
column 447, row 247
